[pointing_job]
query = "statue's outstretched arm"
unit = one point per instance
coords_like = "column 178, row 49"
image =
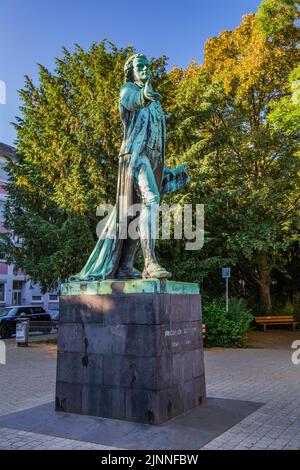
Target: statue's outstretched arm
column 133, row 98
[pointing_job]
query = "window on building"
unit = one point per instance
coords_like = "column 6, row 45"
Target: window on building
column 2, row 291
column 36, row 298
column 53, row 298
column 17, row 285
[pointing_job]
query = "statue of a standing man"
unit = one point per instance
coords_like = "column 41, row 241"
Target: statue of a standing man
column 142, row 178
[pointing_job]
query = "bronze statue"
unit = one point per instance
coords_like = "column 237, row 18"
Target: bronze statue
column 142, row 178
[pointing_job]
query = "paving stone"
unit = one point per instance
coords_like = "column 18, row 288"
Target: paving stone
column 244, row 374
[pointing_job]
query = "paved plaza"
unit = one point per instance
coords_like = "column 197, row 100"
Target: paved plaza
column 264, row 375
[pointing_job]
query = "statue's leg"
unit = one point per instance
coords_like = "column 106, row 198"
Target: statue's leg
column 126, row 269
column 146, row 184
column 130, row 247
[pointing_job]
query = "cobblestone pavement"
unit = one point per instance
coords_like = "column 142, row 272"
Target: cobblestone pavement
column 28, row 380
column 262, row 375
column 259, row 375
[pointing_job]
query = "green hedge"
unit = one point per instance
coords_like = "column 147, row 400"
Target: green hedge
column 226, row 328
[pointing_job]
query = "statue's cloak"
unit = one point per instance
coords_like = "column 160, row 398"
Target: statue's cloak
column 144, row 133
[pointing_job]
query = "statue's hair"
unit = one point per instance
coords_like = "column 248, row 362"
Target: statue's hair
column 128, row 67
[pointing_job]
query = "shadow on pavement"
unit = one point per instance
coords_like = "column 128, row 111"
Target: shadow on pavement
column 190, row 431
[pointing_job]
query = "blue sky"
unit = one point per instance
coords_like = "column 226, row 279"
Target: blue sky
column 33, row 31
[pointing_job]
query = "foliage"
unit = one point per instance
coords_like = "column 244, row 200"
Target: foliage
column 289, row 308
column 223, row 328
column 234, row 121
column 285, row 113
column 243, row 168
column 276, row 15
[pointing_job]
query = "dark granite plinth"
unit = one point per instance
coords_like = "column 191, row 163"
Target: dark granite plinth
column 130, row 356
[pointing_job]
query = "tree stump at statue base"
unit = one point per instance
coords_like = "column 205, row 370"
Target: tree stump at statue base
column 130, row 350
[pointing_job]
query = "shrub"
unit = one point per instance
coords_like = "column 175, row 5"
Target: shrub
column 226, row 328
column 289, row 308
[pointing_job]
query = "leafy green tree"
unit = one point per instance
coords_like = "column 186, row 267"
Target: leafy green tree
column 233, row 120
column 276, row 15
column 285, row 119
column 285, row 113
column 243, row 168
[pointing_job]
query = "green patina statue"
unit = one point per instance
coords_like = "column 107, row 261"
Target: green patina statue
column 142, row 178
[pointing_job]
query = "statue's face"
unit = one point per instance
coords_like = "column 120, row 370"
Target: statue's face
column 141, row 70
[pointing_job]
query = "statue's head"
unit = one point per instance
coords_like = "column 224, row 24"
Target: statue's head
column 137, row 69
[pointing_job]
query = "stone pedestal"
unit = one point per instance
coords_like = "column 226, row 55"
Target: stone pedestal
column 130, row 350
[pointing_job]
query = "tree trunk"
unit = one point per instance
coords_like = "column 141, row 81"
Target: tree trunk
column 265, row 297
column 264, row 280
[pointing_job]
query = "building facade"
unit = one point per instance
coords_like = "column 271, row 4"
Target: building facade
column 15, row 286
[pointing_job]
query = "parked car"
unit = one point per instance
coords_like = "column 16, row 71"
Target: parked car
column 39, row 319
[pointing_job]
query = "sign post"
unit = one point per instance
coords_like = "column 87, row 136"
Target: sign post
column 22, row 332
column 226, row 273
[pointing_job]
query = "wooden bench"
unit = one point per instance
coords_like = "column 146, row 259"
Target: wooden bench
column 276, row 320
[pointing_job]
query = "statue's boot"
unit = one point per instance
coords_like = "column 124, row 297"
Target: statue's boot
column 126, row 269
column 155, row 271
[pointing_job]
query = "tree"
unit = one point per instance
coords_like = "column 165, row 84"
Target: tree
column 285, row 113
column 234, row 122
column 69, row 135
column 189, row 98
column 285, row 118
column 276, row 15
column 243, row 168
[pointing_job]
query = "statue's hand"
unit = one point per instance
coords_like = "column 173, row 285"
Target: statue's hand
column 150, row 94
